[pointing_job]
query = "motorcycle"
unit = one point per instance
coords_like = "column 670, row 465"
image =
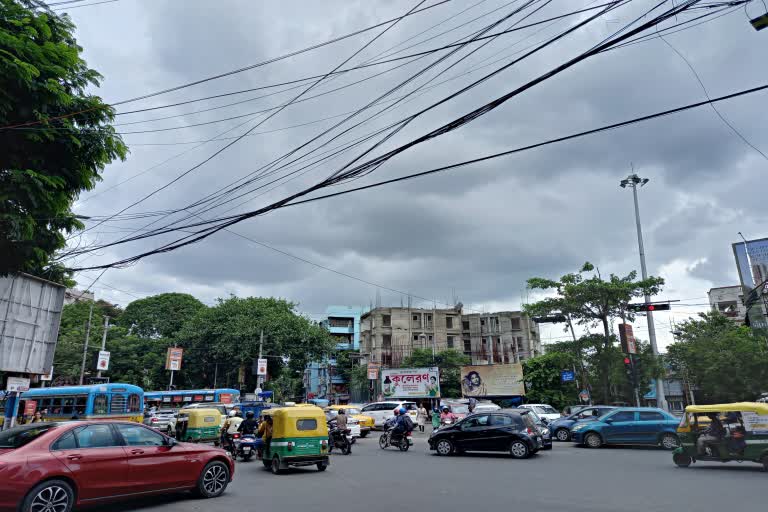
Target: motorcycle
column 243, row 446
column 390, row 438
column 338, row 438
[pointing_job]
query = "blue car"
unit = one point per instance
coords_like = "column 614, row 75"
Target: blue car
column 629, row 425
column 561, row 428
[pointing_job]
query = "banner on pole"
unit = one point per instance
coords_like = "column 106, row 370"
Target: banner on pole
column 411, row 383
column 173, row 358
column 102, row 363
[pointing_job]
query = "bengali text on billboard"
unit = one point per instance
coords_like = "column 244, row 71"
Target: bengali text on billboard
column 492, row 380
column 411, row 383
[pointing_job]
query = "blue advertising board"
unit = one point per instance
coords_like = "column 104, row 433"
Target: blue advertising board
column 567, row 376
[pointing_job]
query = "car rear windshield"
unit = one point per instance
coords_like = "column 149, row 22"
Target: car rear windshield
column 460, row 409
column 529, row 421
column 545, row 409
column 19, row 436
column 351, row 410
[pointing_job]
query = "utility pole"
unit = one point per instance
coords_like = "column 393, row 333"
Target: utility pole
column 85, row 346
column 260, row 378
column 104, row 341
column 633, row 180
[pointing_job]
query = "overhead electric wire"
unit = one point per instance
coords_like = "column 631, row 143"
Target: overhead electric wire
column 489, row 157
column 397, row 125
column 84, row 5
column 340, row 177
column 232, row 72
column 232, row 143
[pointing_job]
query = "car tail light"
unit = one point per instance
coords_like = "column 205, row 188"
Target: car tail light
column 235, row 436
column 154, row 420
column 529, row 431
column 290, row 446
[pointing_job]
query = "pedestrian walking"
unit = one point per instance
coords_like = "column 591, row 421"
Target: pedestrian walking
column 421, row 417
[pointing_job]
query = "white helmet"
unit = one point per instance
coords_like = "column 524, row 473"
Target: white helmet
column 232, row 413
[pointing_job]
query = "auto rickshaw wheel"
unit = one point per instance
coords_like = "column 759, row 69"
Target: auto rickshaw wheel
column 670, row 441
column 682, row 460
column 267, row 463
column 322, row 466
column 275, row 467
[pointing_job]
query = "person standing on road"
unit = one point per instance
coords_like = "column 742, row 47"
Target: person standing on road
column 435, row 418
column 421, row 417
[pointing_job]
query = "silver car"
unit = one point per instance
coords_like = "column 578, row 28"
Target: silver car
column 163, row 420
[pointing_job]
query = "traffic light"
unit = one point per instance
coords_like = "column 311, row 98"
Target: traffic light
column 648, row 307
column 629, row 369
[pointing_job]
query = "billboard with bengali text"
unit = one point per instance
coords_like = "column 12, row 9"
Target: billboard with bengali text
column 492, row 380
column 410, row 383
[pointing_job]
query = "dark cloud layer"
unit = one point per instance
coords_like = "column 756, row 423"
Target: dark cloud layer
column 478, row 232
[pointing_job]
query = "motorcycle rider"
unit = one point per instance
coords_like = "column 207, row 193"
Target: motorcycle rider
column 230, row 426
column 341, row 420
column 447, row 416
column 249, row 425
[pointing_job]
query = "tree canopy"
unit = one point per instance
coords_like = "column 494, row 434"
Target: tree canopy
column 724, row 361
column 160, row 316
column 55, row 136
column 586, row 299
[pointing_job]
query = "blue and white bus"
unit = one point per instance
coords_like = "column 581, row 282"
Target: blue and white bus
column 182, row 397
column 114, row 401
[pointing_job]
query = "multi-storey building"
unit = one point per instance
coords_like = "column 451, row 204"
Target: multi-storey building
column 389, row 335
column 501, row 337
column 728, row 300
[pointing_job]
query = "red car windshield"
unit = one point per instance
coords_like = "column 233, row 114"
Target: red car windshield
column 19, row 436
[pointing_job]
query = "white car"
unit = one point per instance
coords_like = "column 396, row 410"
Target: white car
column 545, row 411
column 382, row 411
column 353, row 424
column 485, row 407
column 163, row 420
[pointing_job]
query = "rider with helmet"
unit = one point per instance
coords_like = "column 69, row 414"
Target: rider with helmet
column 446, row 416
column 249, row 424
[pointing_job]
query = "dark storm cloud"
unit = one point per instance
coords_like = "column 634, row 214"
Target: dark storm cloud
column 482, row 230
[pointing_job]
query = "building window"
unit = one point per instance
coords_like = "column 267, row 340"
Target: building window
column 429, row 338
column 467, row 346
column 482, row 321
column 339, row 322
column 515, row 324
column 415, row 337
column 465, row 325
column 450, row 341
column 387, row 320
column 417, row 320
column 449, row 322
column 386, row 341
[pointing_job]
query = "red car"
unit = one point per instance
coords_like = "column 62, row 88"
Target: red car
column 52, row 467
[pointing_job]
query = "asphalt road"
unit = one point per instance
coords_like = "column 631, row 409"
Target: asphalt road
column 565, row 479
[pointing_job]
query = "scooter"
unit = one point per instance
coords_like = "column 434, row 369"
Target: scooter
column 401, row 441
column 243, row 446
column 340, row 439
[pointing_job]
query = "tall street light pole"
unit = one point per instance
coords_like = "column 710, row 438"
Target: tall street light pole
column 633, row 181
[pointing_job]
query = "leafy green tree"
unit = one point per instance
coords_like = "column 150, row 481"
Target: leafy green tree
column 543, row 383
column 69, row 348
column 585, row 298
column 60, row 140
column 725, row 362
column 160, row 316
column 448, row 361
column 225, row 338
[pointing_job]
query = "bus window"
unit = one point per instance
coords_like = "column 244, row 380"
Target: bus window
column 67, row 405
column 118, row 404
column 134, row 403
column 100, row 404
column 80, row 404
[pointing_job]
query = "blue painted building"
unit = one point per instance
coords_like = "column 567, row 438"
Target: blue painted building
column 320, row 380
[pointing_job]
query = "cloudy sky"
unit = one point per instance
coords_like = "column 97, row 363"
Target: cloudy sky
column 477, row 232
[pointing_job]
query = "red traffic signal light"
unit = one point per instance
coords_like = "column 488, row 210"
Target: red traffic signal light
column 627, row 360
column 648, row 307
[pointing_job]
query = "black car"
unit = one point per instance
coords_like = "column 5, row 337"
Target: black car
column 507, row 431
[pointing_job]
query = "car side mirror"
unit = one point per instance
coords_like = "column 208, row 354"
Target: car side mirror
column 609, row 421
column 170, row 442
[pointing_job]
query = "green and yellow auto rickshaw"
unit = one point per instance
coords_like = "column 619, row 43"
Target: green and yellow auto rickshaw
column 196, row 425
column 723, row 433
column 299, row 438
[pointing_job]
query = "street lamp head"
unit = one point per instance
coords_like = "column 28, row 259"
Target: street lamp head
column 644, row 181
column 624, row 183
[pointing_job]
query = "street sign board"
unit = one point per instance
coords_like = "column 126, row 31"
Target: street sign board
column 627, row 336
column 17, row 384
column 567, row 376
column 102, row 362
column 261, row 367
column 373, row 371
column 173, row 358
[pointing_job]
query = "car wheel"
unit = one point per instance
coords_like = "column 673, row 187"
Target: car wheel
column 562, row 434
column 213, row 480
column 383, row 442
column 322, row 466
column 593, row 440
column 275, row 466
column 682, row 460
column 519, row 450
column 444, row 447
column 50, row 496
column 669, row 441
column 364, row 433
